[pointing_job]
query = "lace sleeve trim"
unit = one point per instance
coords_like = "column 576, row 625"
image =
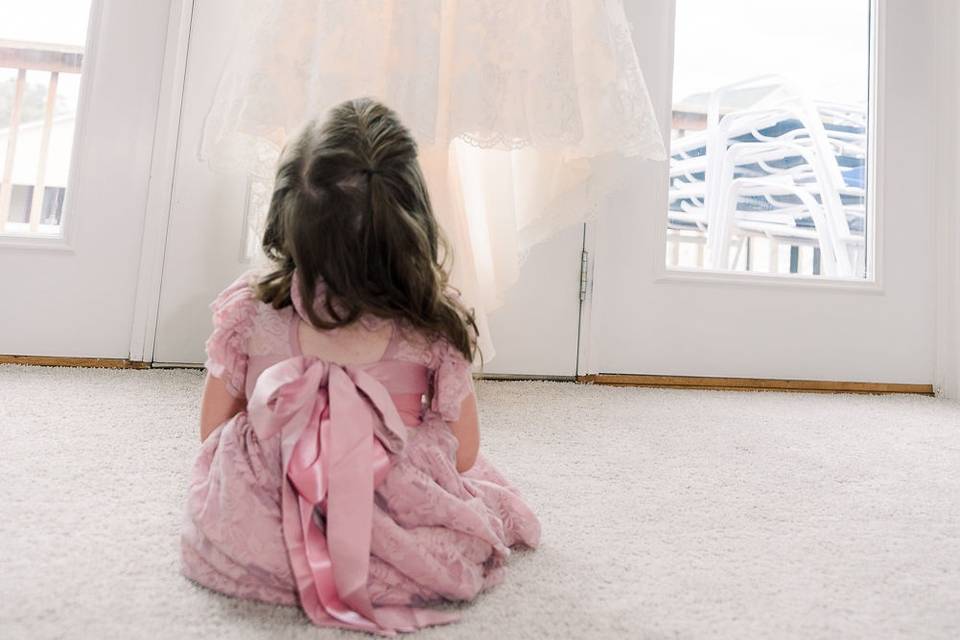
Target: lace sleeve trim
column 452, row 381
column 234, row 311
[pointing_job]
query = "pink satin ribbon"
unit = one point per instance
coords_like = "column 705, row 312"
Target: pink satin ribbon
column 336, row 424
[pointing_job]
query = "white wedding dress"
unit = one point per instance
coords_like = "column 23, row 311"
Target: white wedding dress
column 521, row 109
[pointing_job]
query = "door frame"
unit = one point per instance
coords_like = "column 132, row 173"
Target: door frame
column 162, row 171
column 947, row 208
column 876, row 144
column 587, row 369
column 89, row 271
column 159, row 213
column 947, row 374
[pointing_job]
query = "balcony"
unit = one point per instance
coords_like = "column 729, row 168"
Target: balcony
column 38, row 88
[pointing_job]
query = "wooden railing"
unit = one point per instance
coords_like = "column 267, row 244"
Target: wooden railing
column 23, row 56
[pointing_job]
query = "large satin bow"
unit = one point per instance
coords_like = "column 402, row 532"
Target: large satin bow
column 336, row 425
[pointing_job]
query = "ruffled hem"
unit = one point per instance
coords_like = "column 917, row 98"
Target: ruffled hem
column 444, row 529
column 437, row 535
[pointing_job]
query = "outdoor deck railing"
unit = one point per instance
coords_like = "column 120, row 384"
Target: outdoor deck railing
column 30, row 56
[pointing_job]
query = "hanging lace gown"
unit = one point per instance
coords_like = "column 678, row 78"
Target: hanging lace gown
column 551, row 75
column 523, row 111
column 336, row 488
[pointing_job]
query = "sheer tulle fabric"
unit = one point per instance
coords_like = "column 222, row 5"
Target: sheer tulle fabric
column 435, row 534
column 554, row 75
column 541, row 97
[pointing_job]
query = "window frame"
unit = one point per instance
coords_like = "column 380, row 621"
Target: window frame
column 872, row 283
column 64, row 241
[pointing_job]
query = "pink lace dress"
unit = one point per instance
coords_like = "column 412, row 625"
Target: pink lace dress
column 336, row 488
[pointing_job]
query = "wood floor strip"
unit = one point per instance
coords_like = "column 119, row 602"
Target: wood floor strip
column 55, row 361
column 755, row 384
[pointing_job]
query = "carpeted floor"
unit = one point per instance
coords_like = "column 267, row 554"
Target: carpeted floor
column 666, row 514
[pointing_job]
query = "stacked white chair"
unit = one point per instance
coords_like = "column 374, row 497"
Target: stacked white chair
column 783, row 168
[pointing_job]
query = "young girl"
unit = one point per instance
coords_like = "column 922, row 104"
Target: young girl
column 339, row 468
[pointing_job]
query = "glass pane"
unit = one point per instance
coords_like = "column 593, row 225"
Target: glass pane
column 769, row 137
column 41, row 53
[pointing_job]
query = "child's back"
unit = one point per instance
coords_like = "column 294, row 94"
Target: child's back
column 330, row 475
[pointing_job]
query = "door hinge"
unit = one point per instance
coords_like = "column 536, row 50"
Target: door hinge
column 584, row 281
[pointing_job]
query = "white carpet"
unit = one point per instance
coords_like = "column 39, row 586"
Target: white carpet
column 666, row 514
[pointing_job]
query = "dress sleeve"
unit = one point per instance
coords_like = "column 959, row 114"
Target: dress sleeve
column 233, row 315
column 452, row 381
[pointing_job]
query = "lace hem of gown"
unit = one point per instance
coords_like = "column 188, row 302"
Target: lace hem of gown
column 558, row 76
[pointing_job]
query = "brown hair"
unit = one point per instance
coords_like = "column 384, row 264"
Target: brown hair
column 350, row 209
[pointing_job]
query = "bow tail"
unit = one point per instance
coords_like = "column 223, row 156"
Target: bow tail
column 350, row 499
column 333, row 463
column 333, row 457
column 311, row 484
column 312, row 568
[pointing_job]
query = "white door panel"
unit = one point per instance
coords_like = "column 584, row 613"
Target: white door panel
column 534, row 333
column 74, row 296
column 647, row 320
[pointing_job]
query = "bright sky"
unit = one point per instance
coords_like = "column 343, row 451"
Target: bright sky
column 54, row 21
column 823, row 45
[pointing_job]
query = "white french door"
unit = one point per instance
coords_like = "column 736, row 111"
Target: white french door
column 822, row 265
column 869, row 319
column 211, row 239
column 79, row 82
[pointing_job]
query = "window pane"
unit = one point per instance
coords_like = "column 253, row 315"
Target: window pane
column 769, row 137
column 41, row 53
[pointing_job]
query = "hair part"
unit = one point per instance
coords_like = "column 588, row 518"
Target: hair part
column 350, row 209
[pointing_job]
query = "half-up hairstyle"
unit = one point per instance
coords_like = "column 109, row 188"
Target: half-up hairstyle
column 350, row 209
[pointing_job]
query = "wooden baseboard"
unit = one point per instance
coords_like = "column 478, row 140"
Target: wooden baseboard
column 55, row 361
column 613, row 379
column 754, row 384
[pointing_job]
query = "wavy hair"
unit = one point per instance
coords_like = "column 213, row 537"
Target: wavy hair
column 350, row 209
